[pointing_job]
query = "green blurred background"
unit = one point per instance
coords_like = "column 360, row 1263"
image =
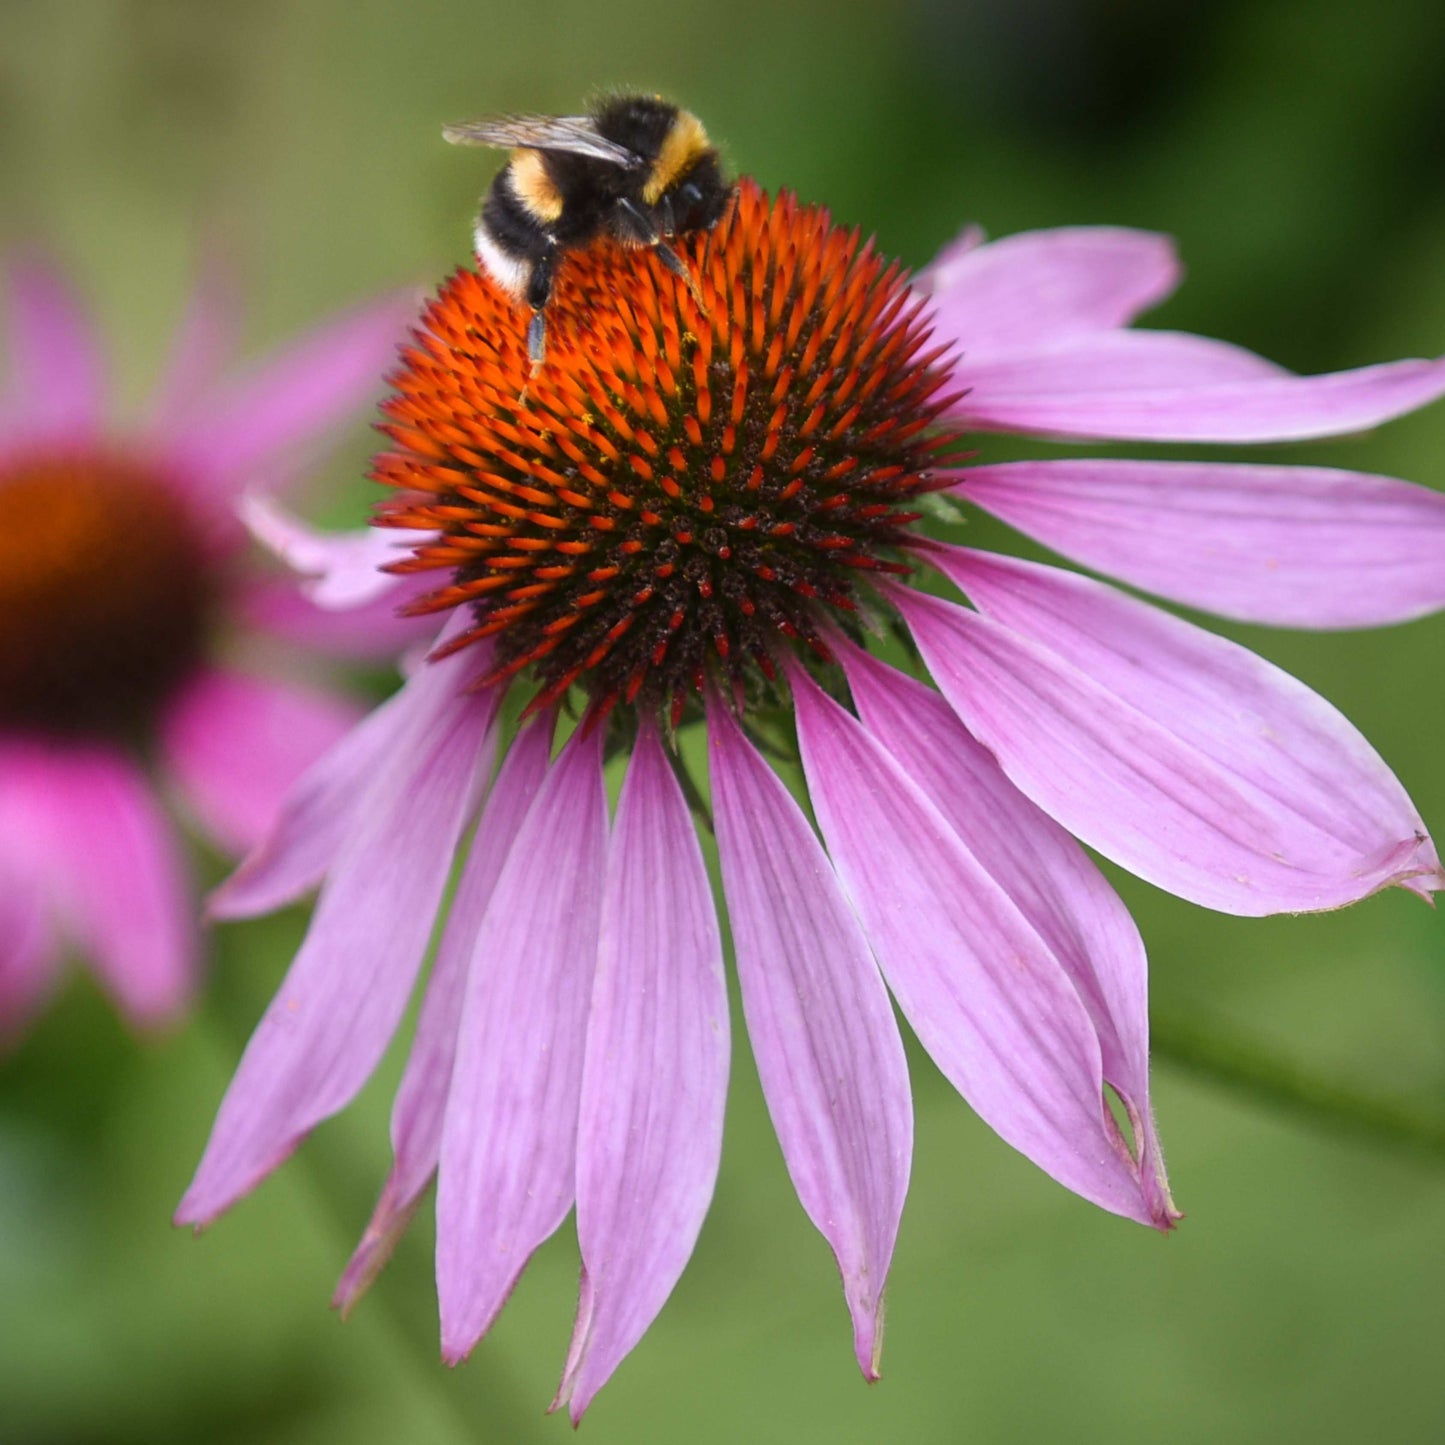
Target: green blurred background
column 1295, row 148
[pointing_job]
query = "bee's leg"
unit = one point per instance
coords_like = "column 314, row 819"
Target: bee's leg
column 539, row 292
column 632, row 225
column 537, row 340
column 635, row 225
column 668, row 256
column 678, row 267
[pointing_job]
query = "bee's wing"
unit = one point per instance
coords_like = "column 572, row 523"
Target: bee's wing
column 576, row 134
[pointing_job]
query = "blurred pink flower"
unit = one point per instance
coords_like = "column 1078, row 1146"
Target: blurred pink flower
column 698, row 515
column 128, row 616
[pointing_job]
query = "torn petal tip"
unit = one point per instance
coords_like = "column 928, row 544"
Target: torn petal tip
column 564, row 1399
column 868, row 1341
column 1166, row 1216
column 187, row 1216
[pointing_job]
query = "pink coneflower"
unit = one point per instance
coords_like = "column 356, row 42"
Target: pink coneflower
column 125, row 668
column 713, row 515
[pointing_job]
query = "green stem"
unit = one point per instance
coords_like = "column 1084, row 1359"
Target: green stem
column 1243, row 1064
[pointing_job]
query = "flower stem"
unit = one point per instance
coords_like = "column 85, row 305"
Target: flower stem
column 1213, row 1051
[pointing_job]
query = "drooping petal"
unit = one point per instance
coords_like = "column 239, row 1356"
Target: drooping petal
column 827, row 1048
column 649, row 1133
column 985, row 994
column 315, row 819
column 509, row 1141
column 1040, row 287
column 1182, row 756
column 237, row 744
column 344, row 994
column 114, row 869
column 1291, row 546
column 1044, row 872
column 296, row 398
column 416, row 1116
column 1164, row 386
column 56, row 385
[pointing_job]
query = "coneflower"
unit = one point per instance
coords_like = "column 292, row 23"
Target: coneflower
column 127, row 610
column 712, row 511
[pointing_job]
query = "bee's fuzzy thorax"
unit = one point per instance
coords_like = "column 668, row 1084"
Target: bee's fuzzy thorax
column 685, row 145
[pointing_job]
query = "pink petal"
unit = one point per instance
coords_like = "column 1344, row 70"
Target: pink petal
column 109, row 861
column 28, row 951
column 296, row 397
column 1165, row 386
column 1042, row 286
column 654, row 1083
column 984, row 993
column 372, row 632
column 1292, row 546
column 316, row 818
column 1102, row 365
column 237, row 745
column 509, row 1142
column 416, row 1117
column 345, row 992
column 1185, row 758
column 56, row 373
column 827, row 1049
column 204, row 340
column 1046, row 875
column 343, row 568
column 345, row 604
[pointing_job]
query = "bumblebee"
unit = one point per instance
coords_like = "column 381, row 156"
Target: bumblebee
column 638, row 169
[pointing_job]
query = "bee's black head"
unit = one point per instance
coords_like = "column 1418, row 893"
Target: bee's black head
column 700, row 198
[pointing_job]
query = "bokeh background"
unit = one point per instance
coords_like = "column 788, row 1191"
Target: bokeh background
column 1295, row 148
